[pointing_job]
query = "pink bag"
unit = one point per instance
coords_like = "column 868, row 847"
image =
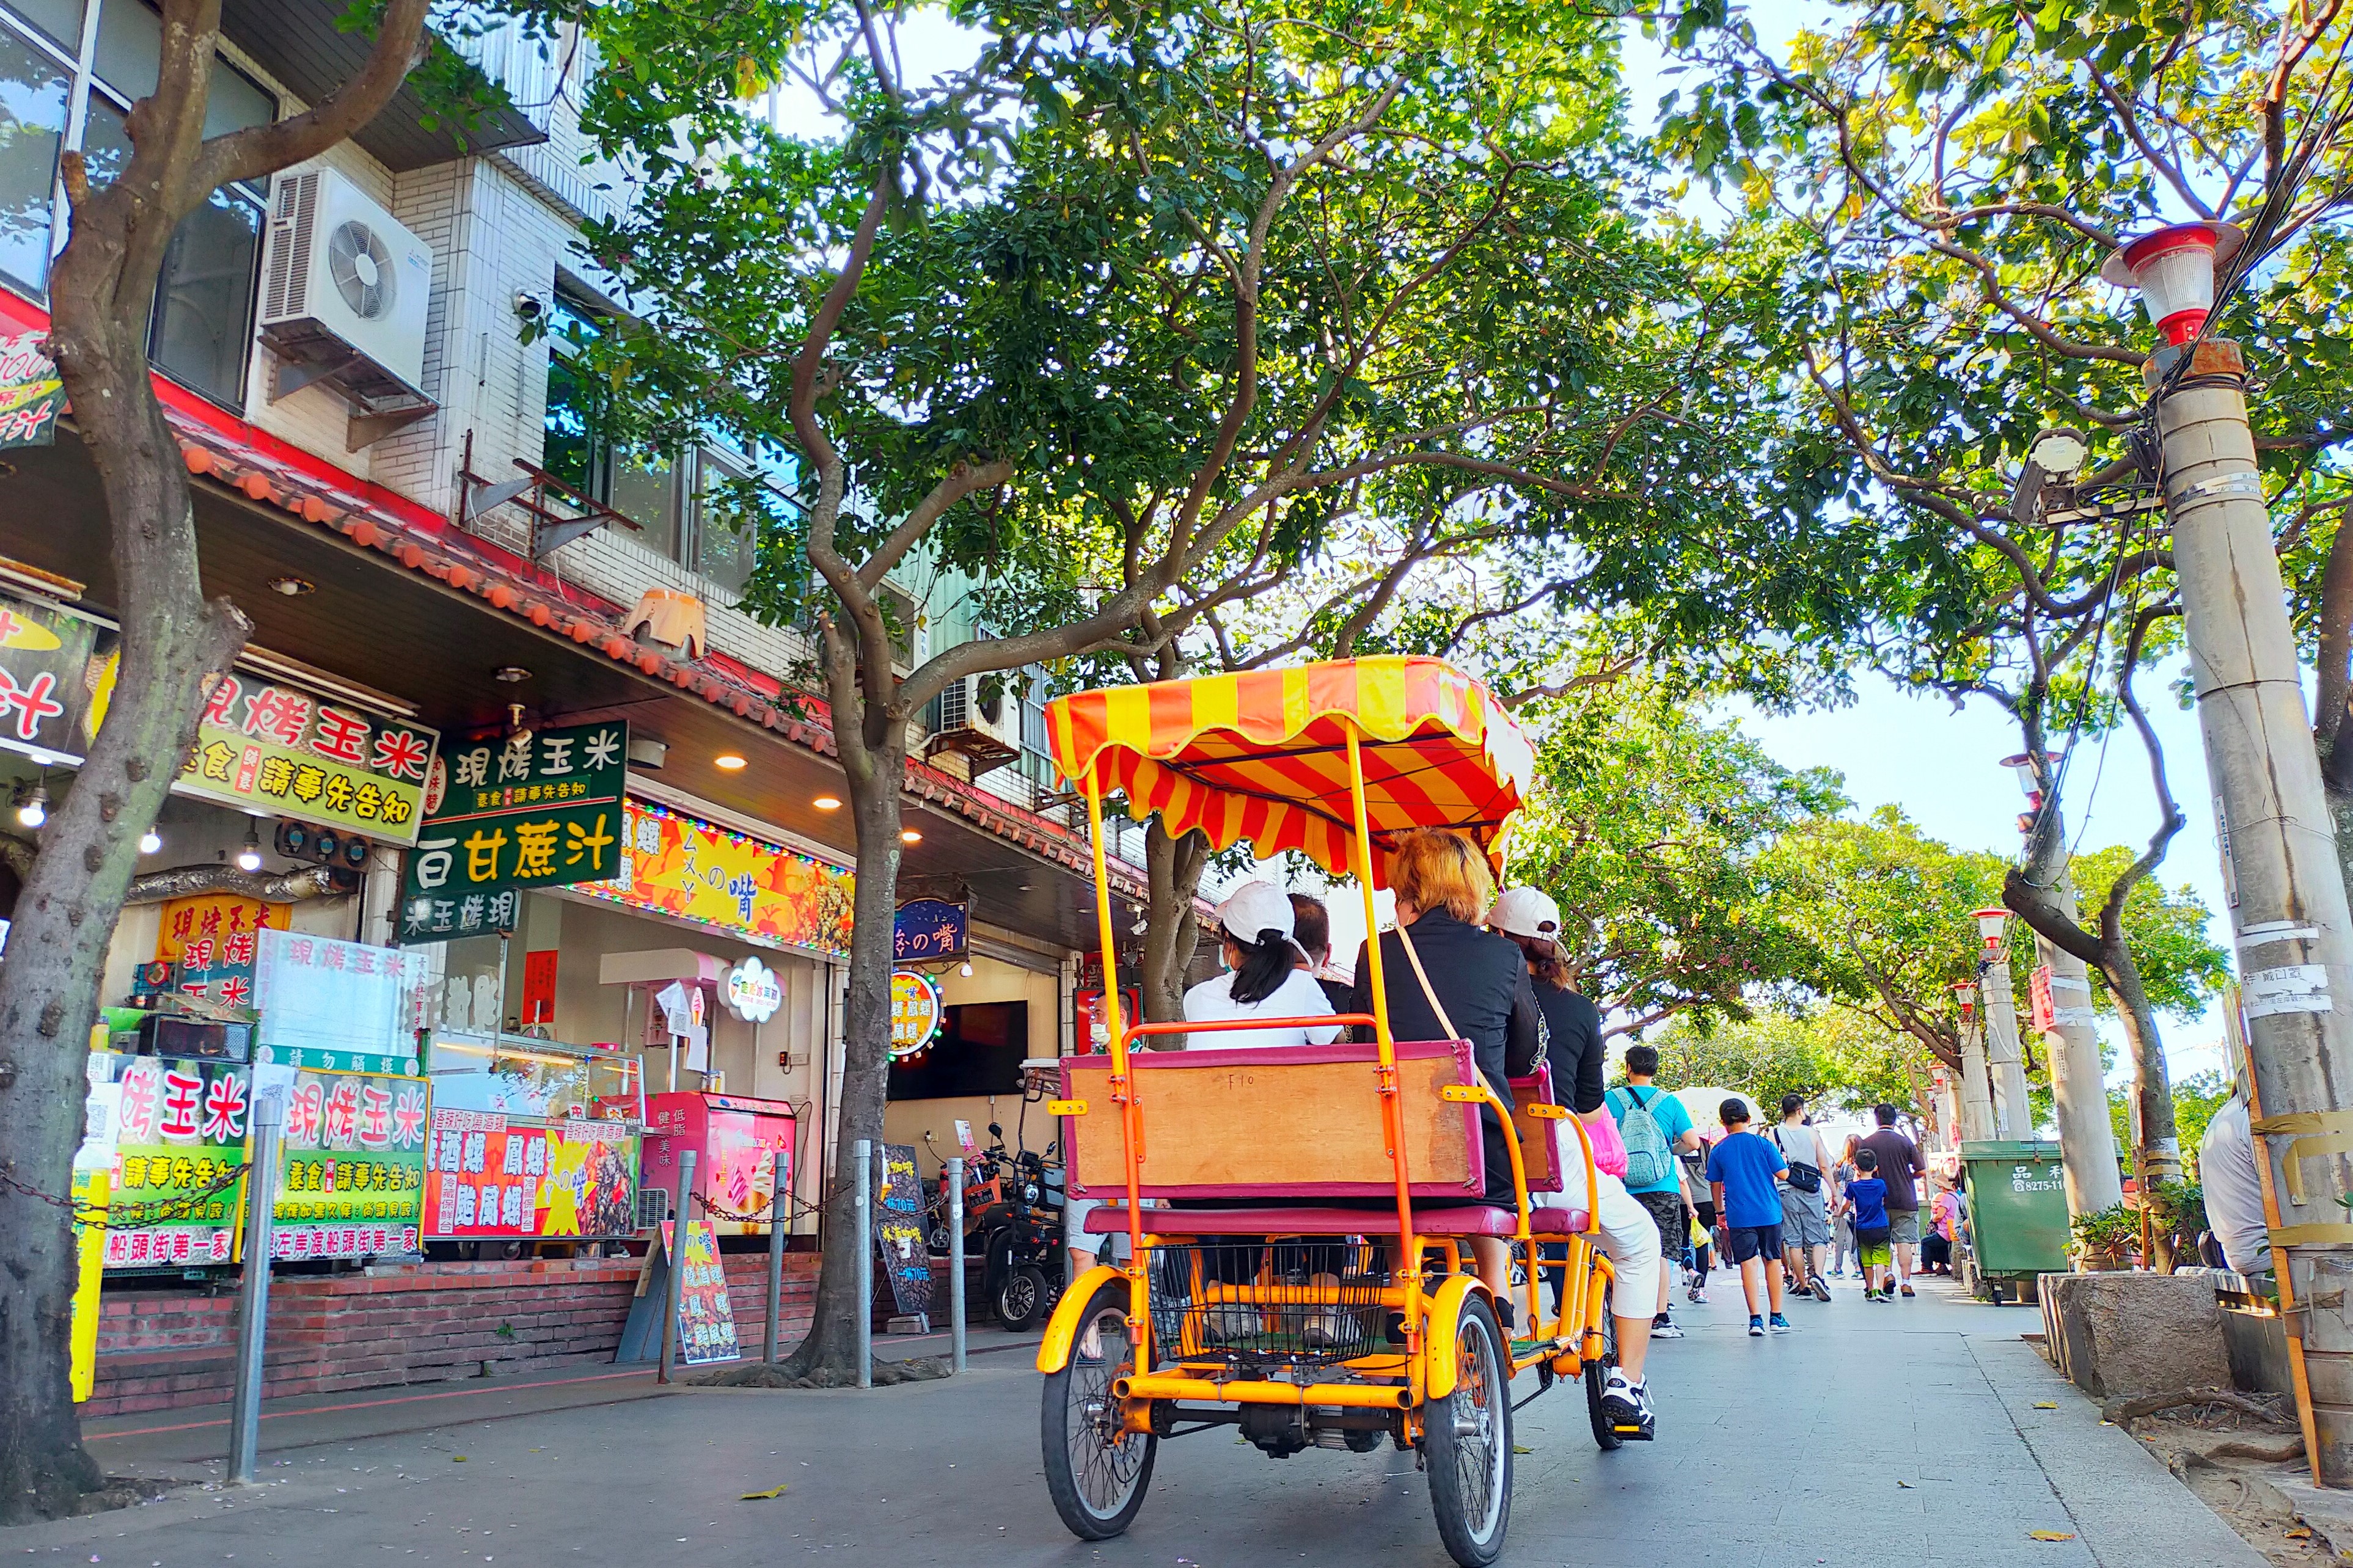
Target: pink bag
column 1609, row 1147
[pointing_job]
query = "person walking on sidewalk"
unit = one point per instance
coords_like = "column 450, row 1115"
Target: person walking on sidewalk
column 1842, row 1216
column 1653, row 1126
column 1866, row 1203
column 1807, row 1191
column 1901, row 1167
column 1744, row 1170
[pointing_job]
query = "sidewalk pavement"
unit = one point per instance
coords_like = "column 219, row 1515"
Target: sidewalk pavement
column 1910, row 1433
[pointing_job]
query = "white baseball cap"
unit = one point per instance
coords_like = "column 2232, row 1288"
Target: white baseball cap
column 1526, row 911
column 1257, row 907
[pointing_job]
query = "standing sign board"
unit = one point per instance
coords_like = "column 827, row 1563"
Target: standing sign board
column 899, row 1231
column 706, row 1316
column 536, row 810
column 490, row 1176
column 270, row 745
column 353, row 1178
column 180, row 1136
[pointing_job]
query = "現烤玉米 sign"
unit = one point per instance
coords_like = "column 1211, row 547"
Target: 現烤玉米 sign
column 272, row 745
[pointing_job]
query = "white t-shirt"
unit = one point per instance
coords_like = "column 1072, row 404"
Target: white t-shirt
column 1297, row 997
column 2234, row 1191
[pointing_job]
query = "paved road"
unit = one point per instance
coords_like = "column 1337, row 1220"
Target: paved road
column 1901, row 1433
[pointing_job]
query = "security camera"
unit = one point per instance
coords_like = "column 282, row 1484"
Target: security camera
column 529, row 306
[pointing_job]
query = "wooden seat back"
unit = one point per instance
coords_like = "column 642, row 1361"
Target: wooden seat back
column 1289, row 1122
column 1535, row 1134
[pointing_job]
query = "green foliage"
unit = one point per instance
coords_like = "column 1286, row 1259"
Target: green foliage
column 2165, row 930
column 2111, row 1229
column 2195, row 1100
column 1832, row 1057
column 1655, row 830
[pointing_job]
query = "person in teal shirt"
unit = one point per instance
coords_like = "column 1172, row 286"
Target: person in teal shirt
column 1661, row 1131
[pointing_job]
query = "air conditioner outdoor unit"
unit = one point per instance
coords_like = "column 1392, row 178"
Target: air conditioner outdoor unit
column 986, row 728
column 342, row 303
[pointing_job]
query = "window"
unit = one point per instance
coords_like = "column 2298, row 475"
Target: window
column 201, row 334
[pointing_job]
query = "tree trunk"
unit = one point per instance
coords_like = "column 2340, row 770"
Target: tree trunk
column 172, row 642
column 832, row 1343
column 1171, row 931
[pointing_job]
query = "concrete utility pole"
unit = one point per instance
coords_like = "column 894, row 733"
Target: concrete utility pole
column 2006, row 1064
column 2079, row 1089
column 1977, row 1123
column 2286, row 891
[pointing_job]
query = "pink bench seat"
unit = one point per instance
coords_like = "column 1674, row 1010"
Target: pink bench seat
column 1468, row 1219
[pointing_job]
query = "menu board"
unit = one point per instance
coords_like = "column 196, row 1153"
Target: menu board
column 179, row 1160
column 352, row 1166
column 332, row 1006
column 899, row 1229
column 273, row 746
column 487, row 1176
column 706, row 1316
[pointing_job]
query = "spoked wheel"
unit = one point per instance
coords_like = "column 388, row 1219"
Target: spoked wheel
column 1095, row 1473
column 1597, row 1375
column 1469, row 1440
column 1020, row 1299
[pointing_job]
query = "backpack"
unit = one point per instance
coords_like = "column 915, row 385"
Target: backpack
column 1648, row 1162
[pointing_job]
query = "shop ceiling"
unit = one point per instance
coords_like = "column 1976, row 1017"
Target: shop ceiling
column 368, row 620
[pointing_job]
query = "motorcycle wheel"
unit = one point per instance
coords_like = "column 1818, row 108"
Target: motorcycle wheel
column 1020, row 1299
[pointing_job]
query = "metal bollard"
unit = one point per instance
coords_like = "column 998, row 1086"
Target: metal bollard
column 676, row 1290
column 861, row 1224
column 955, row 1259
column 776, row 1227
column 253, row 1292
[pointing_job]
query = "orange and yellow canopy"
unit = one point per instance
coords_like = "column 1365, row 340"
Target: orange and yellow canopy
column 1263, row 756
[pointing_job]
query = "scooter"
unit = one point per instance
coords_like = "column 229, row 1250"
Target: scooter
column 1021, row 1278
column 984, row 1197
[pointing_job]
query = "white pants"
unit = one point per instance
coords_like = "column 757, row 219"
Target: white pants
column 1629, row 1235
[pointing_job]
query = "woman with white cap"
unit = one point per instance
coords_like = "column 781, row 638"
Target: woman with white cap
column 1258, row 927
column 1573, row 1024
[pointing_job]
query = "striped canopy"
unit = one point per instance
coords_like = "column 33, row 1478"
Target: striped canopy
column 1263, row 756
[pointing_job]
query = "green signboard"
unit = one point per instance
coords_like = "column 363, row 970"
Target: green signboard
column 351, row 1177
column 538, row 809
column 179, row 1129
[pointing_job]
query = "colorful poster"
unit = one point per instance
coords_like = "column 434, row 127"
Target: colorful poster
column 915, row 1014
column 691, row 870
column 89, row 1189
column 706, row 1316
column 272, row 745
column 352, row 1171
column 926, row 930
column 899, row 1231
column 332, row 1006
column 214, row 940
column 541, row 809
column 54, row 678
column 32, row 393
column 487, row 1176
column 178, row 1186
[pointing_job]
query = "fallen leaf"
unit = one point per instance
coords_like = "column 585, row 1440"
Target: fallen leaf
column 2301, row 1533
column 1906, row 1484
column 762, row 1497
column 457, row 1458
column 1522, row 1448
column 2046, row 1405
column 2050, row 1535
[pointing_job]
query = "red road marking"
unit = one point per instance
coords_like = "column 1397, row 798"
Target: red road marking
column 364, row 1405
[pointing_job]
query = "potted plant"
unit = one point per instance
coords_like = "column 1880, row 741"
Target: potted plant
column 2104, row 1240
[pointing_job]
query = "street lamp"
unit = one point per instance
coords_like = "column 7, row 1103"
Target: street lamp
column 1991, row 923
column 1966, row 996
column 2173, row 272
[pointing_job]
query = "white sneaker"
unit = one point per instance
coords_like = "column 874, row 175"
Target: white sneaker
column 1665, row 1332
column 1627, row 1404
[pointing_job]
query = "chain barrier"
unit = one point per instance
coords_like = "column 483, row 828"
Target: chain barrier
column 119, row 1216
column 761, row 1215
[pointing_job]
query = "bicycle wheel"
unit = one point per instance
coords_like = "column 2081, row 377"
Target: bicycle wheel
column 1095, row 1473
column 1597, row 1375
column 1469, row 1438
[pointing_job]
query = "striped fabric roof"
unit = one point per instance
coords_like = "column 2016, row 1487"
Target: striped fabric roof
column 1263, row 755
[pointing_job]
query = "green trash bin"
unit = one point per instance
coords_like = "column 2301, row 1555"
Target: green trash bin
column 2018, row 1214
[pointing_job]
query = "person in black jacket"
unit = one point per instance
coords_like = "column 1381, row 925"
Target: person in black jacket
column 1478, row 979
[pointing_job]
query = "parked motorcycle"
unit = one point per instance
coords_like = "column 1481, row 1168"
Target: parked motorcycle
column 984, row 1196
column 1021, row 1278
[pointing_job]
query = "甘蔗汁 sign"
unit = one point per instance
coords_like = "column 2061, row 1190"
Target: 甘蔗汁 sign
column 536, row 809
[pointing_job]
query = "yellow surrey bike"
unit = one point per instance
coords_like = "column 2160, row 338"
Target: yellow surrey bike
column 1319, row 1290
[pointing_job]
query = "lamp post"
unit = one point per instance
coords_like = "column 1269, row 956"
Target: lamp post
column 2013, row 1115
column 2280, row 869
column 2079, row 1089
column 1977, row 1117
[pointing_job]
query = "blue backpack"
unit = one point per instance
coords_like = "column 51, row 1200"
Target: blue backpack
column 1649, row 1162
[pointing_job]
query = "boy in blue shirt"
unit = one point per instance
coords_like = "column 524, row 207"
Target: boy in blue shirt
column 1866, row 1199
column 1740, row 1173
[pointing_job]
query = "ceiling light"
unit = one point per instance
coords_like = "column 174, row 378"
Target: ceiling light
column 292, row 587
column 729, row 760
column 909, row 835
column 150, row 842
column 826, row 803
column 35, row 809
column 249, row 855
column 511, row 674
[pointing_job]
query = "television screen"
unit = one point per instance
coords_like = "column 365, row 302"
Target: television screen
column 977, row 1051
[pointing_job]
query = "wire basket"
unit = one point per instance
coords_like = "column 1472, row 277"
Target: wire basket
column 1252, row 1304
